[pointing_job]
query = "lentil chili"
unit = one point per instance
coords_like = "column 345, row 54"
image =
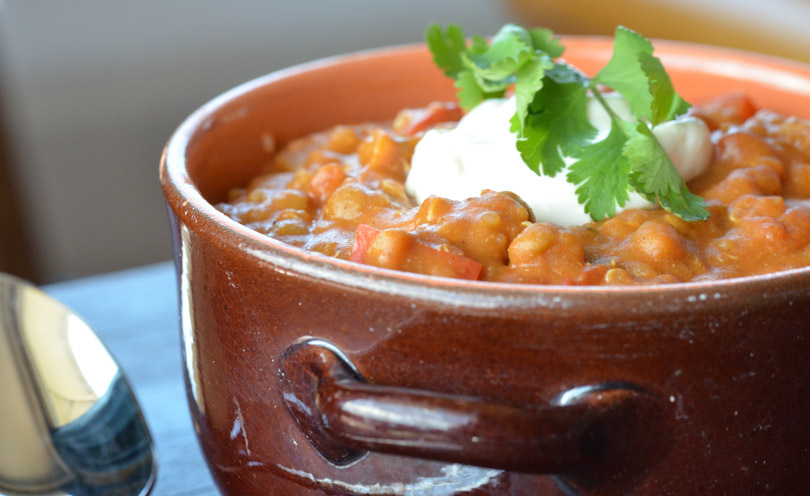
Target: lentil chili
column 341, row 193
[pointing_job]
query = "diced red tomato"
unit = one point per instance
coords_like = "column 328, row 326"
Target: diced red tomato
column 363, row 237
column 442, row 263
column 412, row 121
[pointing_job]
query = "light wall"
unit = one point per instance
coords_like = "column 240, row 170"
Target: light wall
column 96, row 87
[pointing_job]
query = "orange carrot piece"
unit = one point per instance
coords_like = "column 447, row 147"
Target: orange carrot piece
column 419, row 258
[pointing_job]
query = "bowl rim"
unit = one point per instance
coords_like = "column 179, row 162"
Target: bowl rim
column 190, row 207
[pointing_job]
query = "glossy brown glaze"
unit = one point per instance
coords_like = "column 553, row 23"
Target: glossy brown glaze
column 720, row 368
column 577, row 434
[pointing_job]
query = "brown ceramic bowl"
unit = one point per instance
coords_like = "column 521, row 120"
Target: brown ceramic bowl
column 311, row 375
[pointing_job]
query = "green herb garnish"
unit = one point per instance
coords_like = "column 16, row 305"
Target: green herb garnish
column 551, row 120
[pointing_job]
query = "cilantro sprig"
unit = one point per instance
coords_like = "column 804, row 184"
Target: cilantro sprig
column 551, row 119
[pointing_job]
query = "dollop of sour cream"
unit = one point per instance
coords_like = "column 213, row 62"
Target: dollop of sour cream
column 480, row 153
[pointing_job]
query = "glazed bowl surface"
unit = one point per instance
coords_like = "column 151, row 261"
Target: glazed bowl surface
column 313, row 375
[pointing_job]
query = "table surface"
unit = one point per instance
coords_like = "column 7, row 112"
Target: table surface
column 135, row 312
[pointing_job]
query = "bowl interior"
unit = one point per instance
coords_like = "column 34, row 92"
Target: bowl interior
column 227, row 138
column 230, row 144
column 224, row 143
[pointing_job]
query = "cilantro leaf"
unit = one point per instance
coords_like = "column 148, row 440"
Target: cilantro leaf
column 556, row 123
column 601, row 174
column 529, row 83
column 483, row 76
column 654, row 176
column 446, row 47
column 640, row 77
column 623, row 72
column 544, row 40
column 510, row 59
column 479, row 45
column 509, row 50
column 469, row 93
column 666, row 103
column 551, row 121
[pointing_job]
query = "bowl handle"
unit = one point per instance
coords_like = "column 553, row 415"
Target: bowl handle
column 591, row 432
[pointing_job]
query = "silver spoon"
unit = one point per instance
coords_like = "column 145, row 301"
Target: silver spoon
column 69, row 423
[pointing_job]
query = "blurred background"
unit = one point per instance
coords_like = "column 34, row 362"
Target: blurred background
column 90, row 91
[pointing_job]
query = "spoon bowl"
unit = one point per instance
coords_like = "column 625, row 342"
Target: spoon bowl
column 69, row 422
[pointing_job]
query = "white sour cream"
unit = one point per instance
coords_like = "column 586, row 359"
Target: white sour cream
column 480, row 153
